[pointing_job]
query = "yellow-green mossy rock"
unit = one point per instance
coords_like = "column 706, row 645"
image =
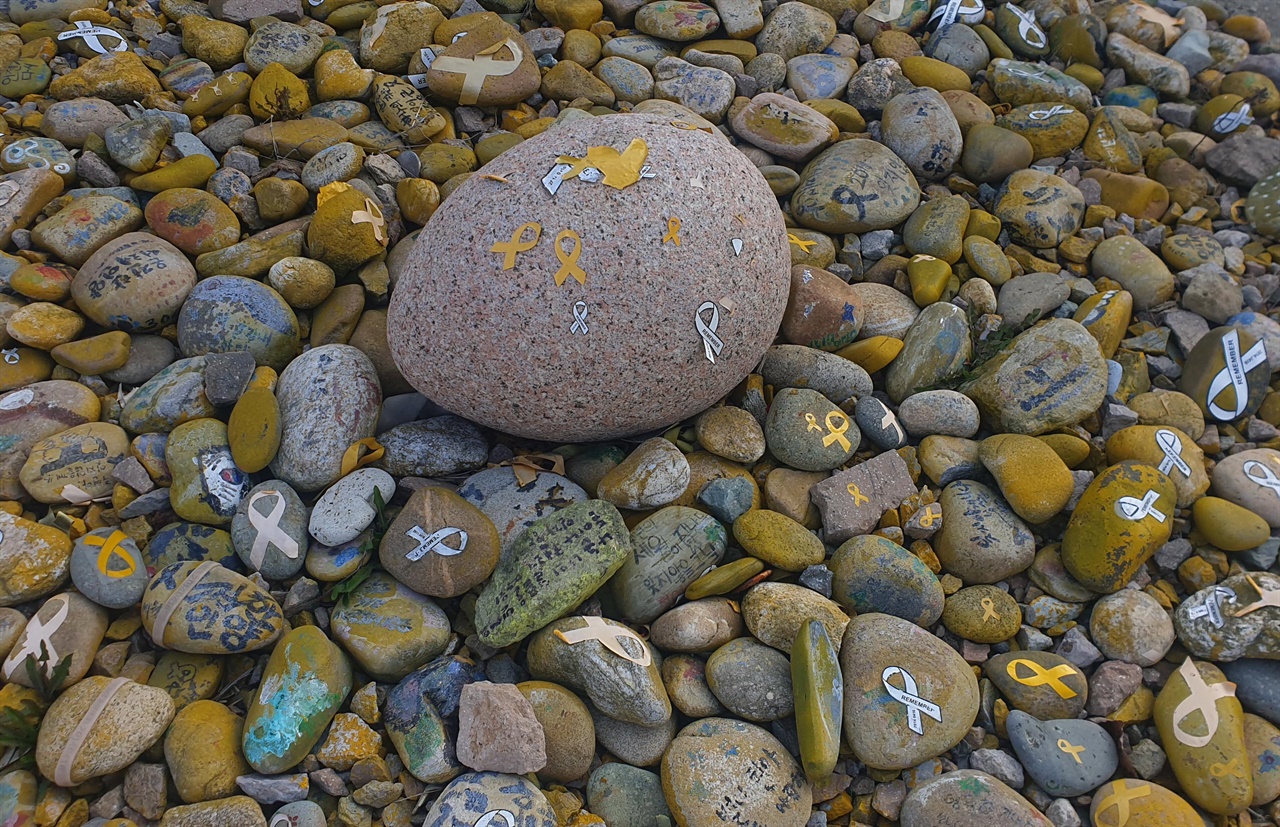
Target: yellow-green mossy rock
column 1124, row 515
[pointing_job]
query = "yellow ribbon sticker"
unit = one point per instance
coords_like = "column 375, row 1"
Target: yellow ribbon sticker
column 352, row 458
column 509, row 249
column 673, row 231
column 110, row 547
column 620, row 169
column 1120, row 800
column 371, row 215
column 858, row 497
column 989, row 610
column 1071, row 749
column 610, row 637
column 569, row 261
column 834, row 433
column 1234, row 768
column 929, row 515
column 800, row 242
column 1041, row 676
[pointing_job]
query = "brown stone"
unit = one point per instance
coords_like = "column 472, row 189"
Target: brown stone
column 642, row 363
column 497, row 730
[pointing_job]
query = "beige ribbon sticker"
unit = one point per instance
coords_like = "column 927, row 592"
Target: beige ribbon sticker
column 39, row 632
column 526, row 467
column 371, row 215
column 475, row 70
column 1266, row 597
column 1204, row 698
column 170, row 605
column 71, row 750
column 610, row 637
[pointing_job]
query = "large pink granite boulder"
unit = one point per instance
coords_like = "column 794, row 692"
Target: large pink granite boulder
column 618, row 345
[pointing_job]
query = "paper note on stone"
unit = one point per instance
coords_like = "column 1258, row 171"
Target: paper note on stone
column 852, row 501
column 620, row 169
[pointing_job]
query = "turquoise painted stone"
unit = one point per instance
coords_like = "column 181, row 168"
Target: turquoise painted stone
column 224, row 613
column 417, row 731
column 818, row 688
column 388, row 628
column 557, row 563
column 306, row 680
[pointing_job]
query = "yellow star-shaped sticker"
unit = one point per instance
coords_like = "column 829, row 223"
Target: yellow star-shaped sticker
column 620, row 169
column 800, row 242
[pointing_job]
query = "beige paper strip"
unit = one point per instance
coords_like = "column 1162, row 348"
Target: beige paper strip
column 62, row 774
column 170, row 606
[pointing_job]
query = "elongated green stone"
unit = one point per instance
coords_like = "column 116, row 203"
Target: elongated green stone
column 818, row 687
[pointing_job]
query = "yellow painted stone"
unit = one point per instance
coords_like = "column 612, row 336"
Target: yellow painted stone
column 191, row 171
column 1072, row 450
column 1032, row 477
column 1157, row 446
column 744, row 50
column 1132, row 802
column 1228, row 526
column 339, row 77
column 927, row 71
column 1136, row 708
column 777, row 540
column 571, row 14
column 83, row 457
column 418, row 199
column 844, row 115
column 278, row 93
column 1124, row 515
column 44, row 325
column 1201, row 726
column 202, row 749
column 1106, row 316
column 23, row 366
column 45, row 282
column 350, row 740
column 348, row 229
column 216, row 42
column 217, row 97
column 982, row 223
column 1262, row 739
column 724, row 579
column 253, row 429
column 95, row 355
column 929, row 277
column 280, row 199
column 872, row 354
column 34, row 560
column 188, row 678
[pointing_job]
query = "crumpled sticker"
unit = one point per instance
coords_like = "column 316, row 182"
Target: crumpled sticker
column 619, row 169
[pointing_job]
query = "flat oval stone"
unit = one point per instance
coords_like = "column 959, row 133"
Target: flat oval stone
column 921, row 130
column 329, row 399
column 440, row 544
column 751, row 680
column 697, row 626
column 202, row 749
column 1039, row 209
column 189, row 679
column 437, row 447
column 192, row 220
column 711, row 772
column 107, row 568
column 1246, row 478
column 982, row 540
column 1066, row 758
column 884, row 658
column 34, row 412
column 628, row 689
column 1206, row 751
column 80, row 458
column 306, row 680
column 135, row 282
column 513, row 506
column 174, row 395
column 873, row 574
column 223, row 613
column 389, row 629
column 853, row 187
column 556, row 564
column 132, row 720
column 419, row 326
column 207, row 485
column 673, row 547
column 1121, row 519
column 968, row 798
column 1131, row 626
column 778, row 540
column 1042, row 684
column 1033, row 479
column 224, row 314
column 983, row 614
column 776, row 613
column 69, row 625
column 471, row 796
column 1169, row 450
column 1147, row 805
column 269, row 530
column 806, row 431
column 567, row 727
column 183, row 542
column 417, row 731
column 936, row 347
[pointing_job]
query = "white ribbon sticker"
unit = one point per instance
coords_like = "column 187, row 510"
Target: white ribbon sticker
column 1028, row 29
column 908, row 697
column 1262, row 475
column 886, row 11
column 737, row 246
column 1044, row 115
column 711, row 343
column 269, row 531
column 1132, row 508
column 579, row 318
column 434, row 541
column 490, row 819
column 39, row 632
column 10, row 355
column 1212, row 606
column 1235, row 375
column 91, row 33
column 1171, row 445
column 1233, row 120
